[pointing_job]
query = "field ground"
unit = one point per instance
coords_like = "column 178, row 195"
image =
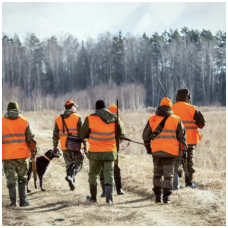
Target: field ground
column 204, row 206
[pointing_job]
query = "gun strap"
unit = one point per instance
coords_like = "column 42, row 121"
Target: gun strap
column 159, row 127
column 65, row 126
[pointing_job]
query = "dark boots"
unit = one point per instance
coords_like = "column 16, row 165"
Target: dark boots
column 176, row 181
column 71, row 172
column 119, row 187
column 22, row 188
column 189, row 182
column 166, row 194
column 93, row 192
column 12, row 194
column 109, row 194
column 157, row 192
column 103, row 188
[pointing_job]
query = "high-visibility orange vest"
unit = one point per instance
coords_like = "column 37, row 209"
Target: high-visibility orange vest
column 71, row 122
column 14, row 145
column 186, row 112
column 165, row 141
column 102, row 135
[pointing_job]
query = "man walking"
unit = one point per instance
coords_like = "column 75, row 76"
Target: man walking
column 16, row 147
column 73, row 159
column 99, row 128
column 192, row 120
column 164, row 146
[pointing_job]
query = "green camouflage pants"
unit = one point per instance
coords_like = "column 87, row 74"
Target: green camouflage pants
column 95, row 168
column 15, row 166
column 163, row 167
column 73, row 158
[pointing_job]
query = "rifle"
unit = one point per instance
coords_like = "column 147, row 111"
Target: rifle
column 162, row 87
column 183, row 147
column 33, row 153
column 116, row 127
column 127, row 139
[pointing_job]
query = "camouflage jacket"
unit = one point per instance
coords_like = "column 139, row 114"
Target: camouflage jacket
column 107, row 117
column 13, row 114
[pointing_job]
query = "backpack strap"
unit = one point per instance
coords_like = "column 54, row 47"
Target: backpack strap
column 64, row 126
column 158, row 129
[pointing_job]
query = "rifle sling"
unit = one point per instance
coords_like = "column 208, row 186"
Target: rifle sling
column 64, row 126
column 159, row 127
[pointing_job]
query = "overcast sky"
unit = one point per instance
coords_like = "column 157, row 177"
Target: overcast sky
column 84, row 20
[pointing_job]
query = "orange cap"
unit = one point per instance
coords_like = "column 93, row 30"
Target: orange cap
column 69, row 102
column 166, row 101
column 113, row 108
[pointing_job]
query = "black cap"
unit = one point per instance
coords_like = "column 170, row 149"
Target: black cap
column 100, row 104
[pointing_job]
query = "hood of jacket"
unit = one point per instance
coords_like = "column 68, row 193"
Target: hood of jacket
column 12, row 114
column 105, row 115
column 164, row 111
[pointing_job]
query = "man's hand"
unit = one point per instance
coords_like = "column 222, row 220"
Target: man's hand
column 148, row 149
column 185, row 154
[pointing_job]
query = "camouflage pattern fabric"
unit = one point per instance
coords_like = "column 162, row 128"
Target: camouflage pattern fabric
column 13, row 167
column 190, row 160
column 95, row 168
column 178, row 166
column 163, row 167
column 117, row 174
column 73, row 158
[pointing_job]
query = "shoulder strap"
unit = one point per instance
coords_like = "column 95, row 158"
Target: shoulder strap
column 64, row 124
column 158, row 128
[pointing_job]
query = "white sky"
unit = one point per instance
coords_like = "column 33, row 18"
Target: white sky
column 89, row 19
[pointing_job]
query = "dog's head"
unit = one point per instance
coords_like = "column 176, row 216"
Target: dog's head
column 55, row 153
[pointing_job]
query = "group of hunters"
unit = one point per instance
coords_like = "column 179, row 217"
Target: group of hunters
column 170, row 135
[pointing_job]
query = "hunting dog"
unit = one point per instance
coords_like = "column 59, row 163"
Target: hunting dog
column 42, row 164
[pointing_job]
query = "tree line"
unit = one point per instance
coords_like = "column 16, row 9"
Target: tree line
column 117, row 65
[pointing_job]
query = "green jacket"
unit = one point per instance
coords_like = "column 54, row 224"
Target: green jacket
column 107, row 117
column 13, row 114
column 66, row 114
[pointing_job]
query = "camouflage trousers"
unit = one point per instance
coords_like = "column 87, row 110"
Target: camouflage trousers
column 178, row 167
column 163, row 167
column 73, row 159
column 15, row 169
column 95, row 167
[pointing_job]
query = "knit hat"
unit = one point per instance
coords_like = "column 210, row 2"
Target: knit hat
column 69, row 104
column 113, row 109
column 166, row 101
column 12, row 105
column 100, row 104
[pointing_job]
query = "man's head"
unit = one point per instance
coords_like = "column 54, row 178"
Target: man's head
column 12, row 105
column 183, row 95
column 100, row 104
column 113, row 109
column 166, row 101
column 69, row 104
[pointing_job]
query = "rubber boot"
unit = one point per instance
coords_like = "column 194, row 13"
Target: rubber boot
column 188, row 181
column 166, row 194
column 103, row 188
column 109, row 194
column 12, row 194
column 176, row 181
column 93, row 192
column 157, row 192
column 119, row 189
column 22, row 188
column 70, row 178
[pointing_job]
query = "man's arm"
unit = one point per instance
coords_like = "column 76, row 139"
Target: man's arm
column 200, row 119
column 181, row 133
column 146, row 133
column 84, row 130
column 29, row 135
column 55, row 137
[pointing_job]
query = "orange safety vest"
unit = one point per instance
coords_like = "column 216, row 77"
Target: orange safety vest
column 14, row 145
column 186, row 112
column 102, row 135
column 71, row 122
column 166, row 141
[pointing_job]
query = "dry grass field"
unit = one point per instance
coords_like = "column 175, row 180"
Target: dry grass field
column 204, row 206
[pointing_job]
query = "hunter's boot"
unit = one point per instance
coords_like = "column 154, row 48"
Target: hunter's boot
column 166, row 194
column 22, row 188
column 157, row 192
column 12, row 194
column 103, row 188
column 176, row 181
column 188, row 181
column 109, row 193
column 70, row 178
column 119, row 186
column 93, row 192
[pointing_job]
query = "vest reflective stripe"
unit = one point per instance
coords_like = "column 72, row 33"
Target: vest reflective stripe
column 71, row 122
column 186, row 112
column 166, row 141
column 11, row 135
column 13, row 141
column 14, row 145
column 102, row 135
